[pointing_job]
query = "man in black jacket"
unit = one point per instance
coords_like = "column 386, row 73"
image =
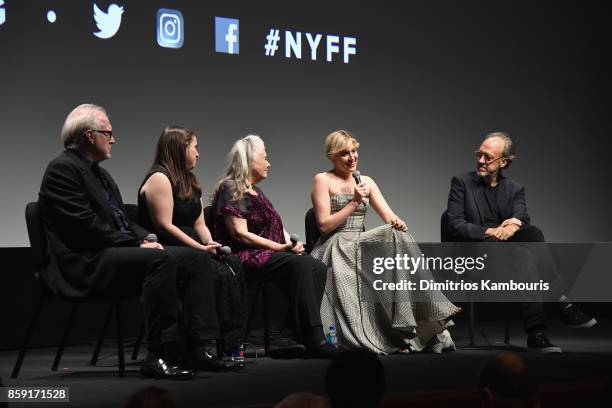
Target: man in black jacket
column 483, row 205
column 95, row 250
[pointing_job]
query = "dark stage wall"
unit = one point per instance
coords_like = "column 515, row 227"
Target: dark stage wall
column 428, row 80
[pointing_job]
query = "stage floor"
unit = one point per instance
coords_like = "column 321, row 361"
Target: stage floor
column 587, row 357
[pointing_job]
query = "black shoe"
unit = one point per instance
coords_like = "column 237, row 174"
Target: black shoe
column 325, row 350
column 156, row 367
column 539, row 343
column 286, row 348
column 203, row 360
column 573, row 317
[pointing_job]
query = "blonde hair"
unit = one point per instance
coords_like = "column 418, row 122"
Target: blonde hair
column 238, row 169
column 337, row 141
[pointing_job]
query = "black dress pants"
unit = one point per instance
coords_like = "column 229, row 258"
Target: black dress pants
column 157, row 274
column 302, row 278
column 532, row 312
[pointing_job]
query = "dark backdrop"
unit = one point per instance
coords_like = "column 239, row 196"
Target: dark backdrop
column 428, row 81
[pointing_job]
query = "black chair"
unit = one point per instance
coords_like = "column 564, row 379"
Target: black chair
column 312, row 230
column 447, row 236
column 260, row 283
column 38, row 244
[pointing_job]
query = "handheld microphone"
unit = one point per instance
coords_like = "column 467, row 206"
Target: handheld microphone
column 295, row 238
column 151, row 238
column 357, row 176
column 222, row 253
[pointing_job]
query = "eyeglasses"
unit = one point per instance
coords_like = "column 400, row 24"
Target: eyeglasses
column 487, row 157
column 107, row 133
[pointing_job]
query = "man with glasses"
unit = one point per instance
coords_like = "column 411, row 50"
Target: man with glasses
column 485, row 206
column 96, row 251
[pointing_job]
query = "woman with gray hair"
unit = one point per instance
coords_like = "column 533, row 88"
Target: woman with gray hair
column 246, row 221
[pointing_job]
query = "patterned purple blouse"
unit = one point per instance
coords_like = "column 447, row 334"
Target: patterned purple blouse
column 262, row 219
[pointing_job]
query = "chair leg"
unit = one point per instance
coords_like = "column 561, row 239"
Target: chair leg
column 247, row 328
column 138, row 341
column 60, row 349
column 28, row 336
column 120, row 340
column 96, row 354
column 266, row 319
column 471, row 325
column 508, row 324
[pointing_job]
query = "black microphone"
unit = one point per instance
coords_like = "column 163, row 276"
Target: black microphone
column 357, row 176
column 222, row 252
column 295, row 238
column 151, row 238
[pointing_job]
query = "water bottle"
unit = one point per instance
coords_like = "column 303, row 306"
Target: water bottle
column 332, row 339
column 237, row 354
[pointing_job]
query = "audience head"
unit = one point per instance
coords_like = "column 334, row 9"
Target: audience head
column 505, row 381
column 177, row 153
column 151, row 397
column 494, row 154
column 247, row 165
column 303, row 400
column 355, row 379
column 88, row 130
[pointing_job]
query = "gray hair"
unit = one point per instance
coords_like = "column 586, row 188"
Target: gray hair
column 81, row 118
column 509, row 150
column 238, row 169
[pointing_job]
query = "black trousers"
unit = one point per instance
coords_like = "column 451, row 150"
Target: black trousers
column 532, row 312
column 158, row 275
column 302, row 278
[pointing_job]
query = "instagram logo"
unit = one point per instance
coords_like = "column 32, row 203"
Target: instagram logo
column 169, row 28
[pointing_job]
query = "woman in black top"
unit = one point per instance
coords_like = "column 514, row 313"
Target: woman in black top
column 169, row 204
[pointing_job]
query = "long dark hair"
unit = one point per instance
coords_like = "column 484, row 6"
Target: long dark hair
column 170, row 160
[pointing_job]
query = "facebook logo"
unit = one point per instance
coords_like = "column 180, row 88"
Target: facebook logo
column 226, row 35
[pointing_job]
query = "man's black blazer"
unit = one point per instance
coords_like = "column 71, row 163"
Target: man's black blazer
column 78, row 223
column 466, row 202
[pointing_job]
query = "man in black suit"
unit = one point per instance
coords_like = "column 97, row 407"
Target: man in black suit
column 95, row 250
column 483, row 205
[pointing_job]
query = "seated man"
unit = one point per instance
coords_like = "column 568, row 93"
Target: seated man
column 486, row 206
column 94, row 250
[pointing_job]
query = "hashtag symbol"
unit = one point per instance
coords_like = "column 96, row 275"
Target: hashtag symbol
column 272, row 42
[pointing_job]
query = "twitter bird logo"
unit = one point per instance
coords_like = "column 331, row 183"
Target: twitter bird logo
column 108, row 23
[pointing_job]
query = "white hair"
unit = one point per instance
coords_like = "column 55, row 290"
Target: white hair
column 238, row 168
column 82, row 118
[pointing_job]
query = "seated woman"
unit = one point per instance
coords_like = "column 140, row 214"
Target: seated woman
column 169, row 204
column 380, row 324
column 246, row 220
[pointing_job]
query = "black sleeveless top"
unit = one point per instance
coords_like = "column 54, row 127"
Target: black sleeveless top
column 184, row 214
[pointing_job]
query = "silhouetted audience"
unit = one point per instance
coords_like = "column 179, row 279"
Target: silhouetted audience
column 303, row 400
column 355, row 379
column 151, row 397
column 505, row 381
